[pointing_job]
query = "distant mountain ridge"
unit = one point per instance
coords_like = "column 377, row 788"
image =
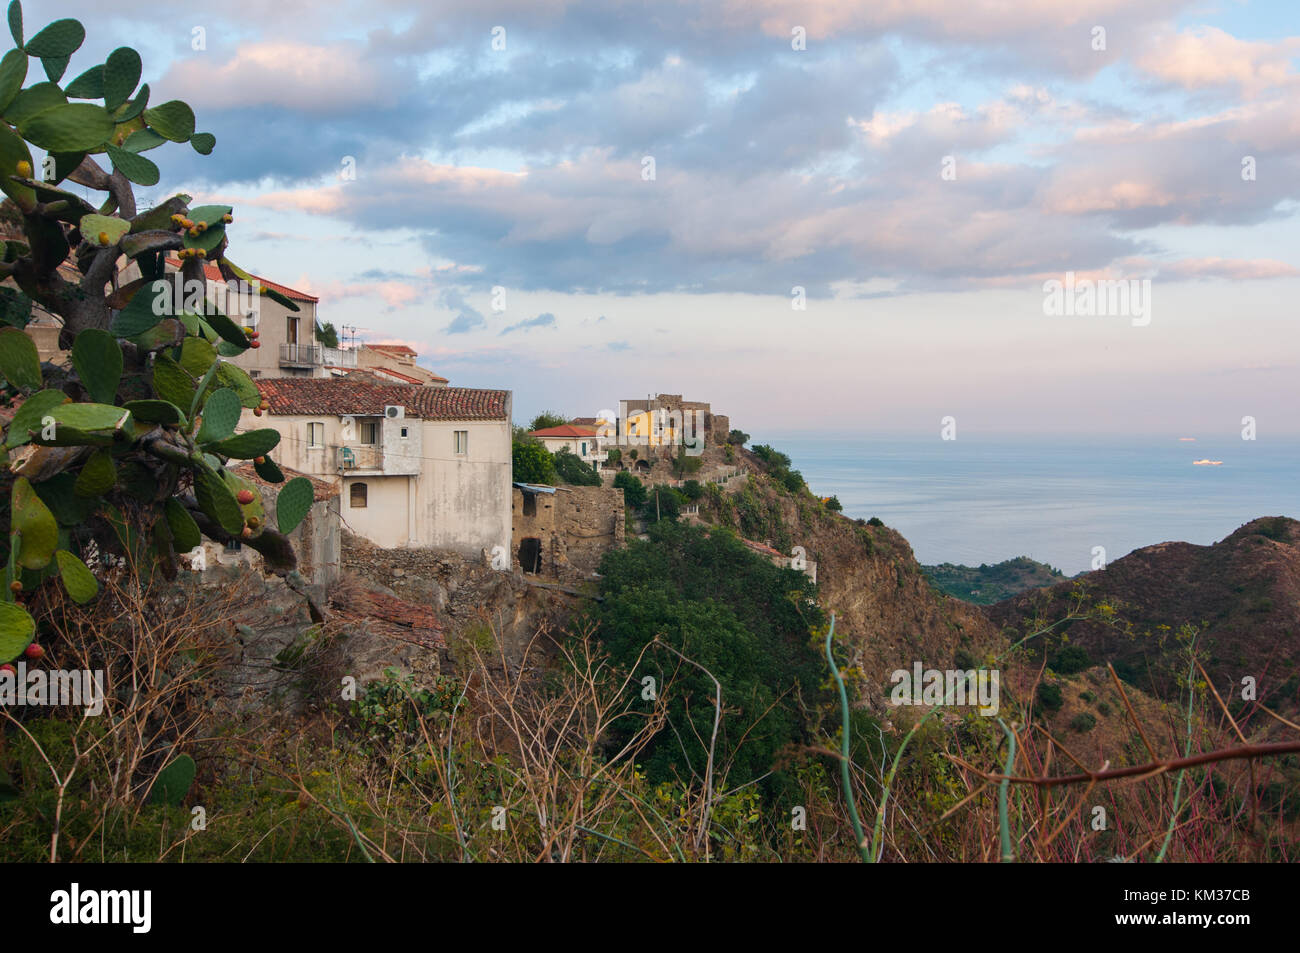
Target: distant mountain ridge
column 985, row 585
column 1242, row 595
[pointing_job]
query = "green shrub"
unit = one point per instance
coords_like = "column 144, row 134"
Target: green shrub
column 875, row 521
column 530, row 463
column 570, row 468
column 662, row 503
column 1083, row 723
column 1050, row 697
column 773, row 458
column 833, row 504
column 634, row 493
column 692, row 490
column 1274, row 528
column 1071, row 659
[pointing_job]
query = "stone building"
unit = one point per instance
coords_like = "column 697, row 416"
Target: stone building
column 562, row 532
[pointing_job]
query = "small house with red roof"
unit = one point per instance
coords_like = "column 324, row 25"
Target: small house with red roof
column 582, row 441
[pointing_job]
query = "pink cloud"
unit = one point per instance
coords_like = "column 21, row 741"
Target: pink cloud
column 396, row 294
column 1237, row 269
column 1207, row 57
column 299, row 76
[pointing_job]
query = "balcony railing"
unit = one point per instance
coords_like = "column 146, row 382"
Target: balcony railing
column 314, row 355
column 359, row 457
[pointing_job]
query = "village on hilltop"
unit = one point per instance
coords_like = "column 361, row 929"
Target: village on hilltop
column 400, row 459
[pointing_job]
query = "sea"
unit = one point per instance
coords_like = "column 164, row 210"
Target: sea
column 986, row 498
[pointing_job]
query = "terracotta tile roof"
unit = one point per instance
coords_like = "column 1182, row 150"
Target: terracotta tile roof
column 584, row 421
column 565, row 430
column 213, row 273
column 403, row 378
column 335, row 397
column 396, row 349
column 321, row 489
column 763, row 548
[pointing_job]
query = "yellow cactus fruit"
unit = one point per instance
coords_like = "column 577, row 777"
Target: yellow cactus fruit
column 103, row 238
column 24, row 169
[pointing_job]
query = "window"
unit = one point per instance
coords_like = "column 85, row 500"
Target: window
column 233, row 546
column 584, row 448
column 462, row 441
column 404, row 433
column 357, row 496
column 291, row 330
column 368, row 432
column 254, row 374
column 315, row 436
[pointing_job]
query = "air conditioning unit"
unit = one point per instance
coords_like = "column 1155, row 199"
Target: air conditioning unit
column 394, row 412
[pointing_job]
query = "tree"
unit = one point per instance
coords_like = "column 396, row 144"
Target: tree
column 326, row 335
column 125, row 452
column 634, row 493
column 737, row 438
column 684, row 463
column 531, row 463
column 663, row 503
column 770, row 456
column 834, row 505
column 547, row 419
column 706, row 595
column 570, row 468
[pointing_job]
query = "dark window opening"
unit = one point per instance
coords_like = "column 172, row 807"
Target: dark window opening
column 357, row 496
column 530, row 504
column 530, row 554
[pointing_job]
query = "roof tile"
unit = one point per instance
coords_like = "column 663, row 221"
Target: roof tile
column 302, row 395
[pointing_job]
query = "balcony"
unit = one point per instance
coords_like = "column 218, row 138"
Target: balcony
column 359, row 457
column 314, row 355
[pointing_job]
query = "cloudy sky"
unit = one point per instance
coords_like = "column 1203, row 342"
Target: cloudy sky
column 648, row 182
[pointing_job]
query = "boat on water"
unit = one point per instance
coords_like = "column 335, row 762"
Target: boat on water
column 1207, row 463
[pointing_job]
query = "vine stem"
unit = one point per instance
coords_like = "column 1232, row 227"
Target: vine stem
column 844, row 750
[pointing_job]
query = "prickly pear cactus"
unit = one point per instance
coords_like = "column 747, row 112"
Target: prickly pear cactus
column 125, row 455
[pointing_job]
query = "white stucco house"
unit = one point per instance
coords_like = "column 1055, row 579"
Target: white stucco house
column 417, row 466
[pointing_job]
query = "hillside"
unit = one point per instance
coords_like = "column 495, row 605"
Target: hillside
column 984, row 584
column 1241, row 594
column 887, row 611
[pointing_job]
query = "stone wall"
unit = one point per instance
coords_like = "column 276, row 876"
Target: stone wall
column 574, row 526
column 316, row 543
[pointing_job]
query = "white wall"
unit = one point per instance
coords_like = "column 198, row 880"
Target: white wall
column 449, row 501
